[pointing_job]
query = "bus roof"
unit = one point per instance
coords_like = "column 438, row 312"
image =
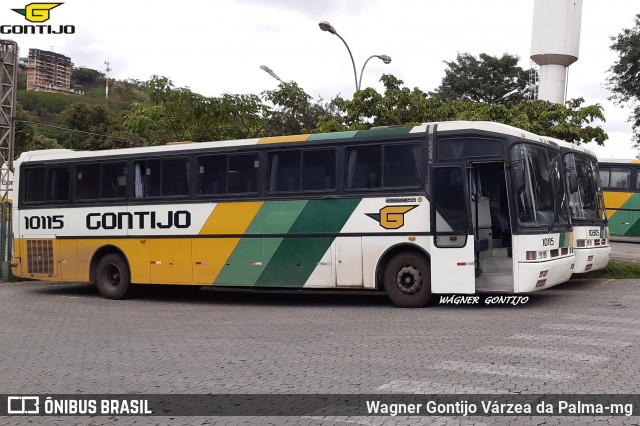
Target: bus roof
column 574, row 147
column 619, row 161
column 483, row 126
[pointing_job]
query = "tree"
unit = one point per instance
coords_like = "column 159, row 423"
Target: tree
column 86, row 76
column 97, row 128
column 624, row 80
column 488, row 79
column 290, row 110
column 27, row 136
column 179, row 114
column 399, row 105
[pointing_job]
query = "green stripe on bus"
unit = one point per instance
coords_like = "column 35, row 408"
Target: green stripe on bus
column 626, row 221
column 334, row 135
column 564, row 240
column 634, row 229
column 246, row 263
column 296, row 258
column 383, row 131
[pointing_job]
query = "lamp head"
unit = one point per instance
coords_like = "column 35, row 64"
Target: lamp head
column 325, row 26
column 385, row 58
column 270, row 72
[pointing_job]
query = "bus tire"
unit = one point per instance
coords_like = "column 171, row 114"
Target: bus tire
column 113, row 278
column 407, row 280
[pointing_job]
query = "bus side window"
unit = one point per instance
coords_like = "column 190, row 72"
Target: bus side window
column 58, row 180
column 284, row 172
column 114, row 180
column 35, row 184
column 318, row 169
column 212, row 175
column 364, row 167
column 87, row 181
column 401, row 166
column 152, row 175
column 175, row 177
column 620, row 178
column 604, row 177
column 243, row 173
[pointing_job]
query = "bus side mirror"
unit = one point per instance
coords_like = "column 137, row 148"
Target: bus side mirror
column 573, row 181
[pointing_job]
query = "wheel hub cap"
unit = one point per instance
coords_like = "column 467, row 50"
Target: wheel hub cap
column 409, row 279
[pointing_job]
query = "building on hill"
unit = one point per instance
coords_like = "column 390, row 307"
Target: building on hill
column 49, row 72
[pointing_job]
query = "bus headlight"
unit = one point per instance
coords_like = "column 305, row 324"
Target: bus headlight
column 581, row 243
column 532, row 255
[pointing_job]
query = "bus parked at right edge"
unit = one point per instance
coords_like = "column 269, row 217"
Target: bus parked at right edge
column 621, row 184
column 586, row 205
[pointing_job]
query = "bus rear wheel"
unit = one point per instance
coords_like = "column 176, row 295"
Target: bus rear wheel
column 112, row 277
column 407, row 280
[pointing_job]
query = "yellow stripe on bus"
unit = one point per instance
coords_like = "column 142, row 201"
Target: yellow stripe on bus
column 615, row 200
column 283, row 139
column 212, row 253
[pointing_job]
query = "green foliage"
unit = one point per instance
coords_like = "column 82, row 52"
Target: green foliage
column 22, row 81
column 47, row 105
column 86, row 77
column 156, row 112
column 102, row 128
column 624, row 80
column 127, row 91
column 178, row 114
column 400, row 106
column 27, row 136
column 291, row 111
column 94, row 92
column 615, row 270
column 486, row 79
column 570, row 122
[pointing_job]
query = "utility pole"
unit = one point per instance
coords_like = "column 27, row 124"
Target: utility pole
column 9, row 54
column 8, row 89
column 106, row 86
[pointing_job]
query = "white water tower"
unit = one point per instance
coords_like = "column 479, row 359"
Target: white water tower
column 555, row 44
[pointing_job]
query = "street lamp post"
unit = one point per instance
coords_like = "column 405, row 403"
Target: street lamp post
column 386, row 59
column 325, row 26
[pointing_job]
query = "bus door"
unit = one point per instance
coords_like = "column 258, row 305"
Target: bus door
column 452, row 254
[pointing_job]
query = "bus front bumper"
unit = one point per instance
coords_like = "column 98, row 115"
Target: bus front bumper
column 16, row 267
column 540, row 275
column 599, row 259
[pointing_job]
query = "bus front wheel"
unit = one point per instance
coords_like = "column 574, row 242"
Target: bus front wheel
column 407, row 280
column 112, row 277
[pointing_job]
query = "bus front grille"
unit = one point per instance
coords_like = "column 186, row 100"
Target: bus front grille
column 40, row 256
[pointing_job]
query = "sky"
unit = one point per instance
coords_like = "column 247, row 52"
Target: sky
column 218, row 46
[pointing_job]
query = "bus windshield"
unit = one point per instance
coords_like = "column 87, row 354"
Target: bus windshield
column 539, row 185
column 587, row 202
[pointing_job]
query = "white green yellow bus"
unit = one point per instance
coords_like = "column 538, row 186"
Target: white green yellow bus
column 440, row 208
column 621, row 184
column 586, row 205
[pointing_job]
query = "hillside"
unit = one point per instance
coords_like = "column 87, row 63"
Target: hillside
column 47, row 108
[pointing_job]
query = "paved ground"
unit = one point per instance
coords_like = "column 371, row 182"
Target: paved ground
column 579, row 337
column 626, row 251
